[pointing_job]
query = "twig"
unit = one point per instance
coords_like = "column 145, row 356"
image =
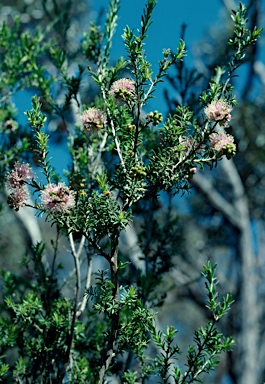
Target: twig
column 97, row 246
column 216, row 199
column 112, row 127
column 192, row 366
column 88, row 283
column 100, row 150
column 117, row 144
column 76, row 255
column 115, row 316
column 55, row 247
column 93, row 242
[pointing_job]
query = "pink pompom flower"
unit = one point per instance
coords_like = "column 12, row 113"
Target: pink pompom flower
column 223, row 144
column 218, row 111
column 123, row 89
column 57, row 198
column 18, row 198
column 93, row 119
column 19, row 176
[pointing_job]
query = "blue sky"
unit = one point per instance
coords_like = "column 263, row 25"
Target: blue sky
column 168, row 17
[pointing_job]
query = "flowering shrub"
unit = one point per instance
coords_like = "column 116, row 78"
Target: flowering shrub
column 119, row 164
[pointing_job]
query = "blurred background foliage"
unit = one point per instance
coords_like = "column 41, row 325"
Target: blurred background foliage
column 224, row 218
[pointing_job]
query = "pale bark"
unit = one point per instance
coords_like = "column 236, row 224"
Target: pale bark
column 30, row 225
column 129, row 241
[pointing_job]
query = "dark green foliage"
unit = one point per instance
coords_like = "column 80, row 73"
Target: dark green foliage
column 79, row 330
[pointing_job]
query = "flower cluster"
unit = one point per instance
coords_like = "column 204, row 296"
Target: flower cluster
column 93, row 119
column 218, row 111
column 223, row 144
column 18, row 198
column 123, row 89
column 16, row 182
column 57, row 198
column 19, row 176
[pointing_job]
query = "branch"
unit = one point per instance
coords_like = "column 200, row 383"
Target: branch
column 97, row 246
column 129, row 241
column 259, row 69
column 112, row 126
column 98, row 158
column 215, row 198
column 229, row 4
column 69, row 340
column 76, row 255
column 115, row 316
column 87, row 286
column 240, row 201
column 192, row 365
